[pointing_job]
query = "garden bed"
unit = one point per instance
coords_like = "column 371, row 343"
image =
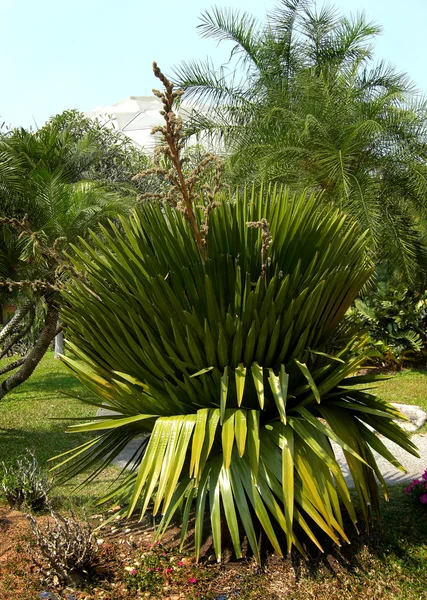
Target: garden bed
column 388, row 563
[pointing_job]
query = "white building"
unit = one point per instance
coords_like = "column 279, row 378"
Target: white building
column 137, row 115
column 134, row 117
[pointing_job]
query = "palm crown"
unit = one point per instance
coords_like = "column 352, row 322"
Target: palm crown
column 311, row 110
column 239, row 369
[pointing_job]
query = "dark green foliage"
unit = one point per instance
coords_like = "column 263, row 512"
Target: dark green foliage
column 396, row 318
column 116, row 158
column 45, row 203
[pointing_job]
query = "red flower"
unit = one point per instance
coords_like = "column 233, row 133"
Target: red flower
column 192, row 580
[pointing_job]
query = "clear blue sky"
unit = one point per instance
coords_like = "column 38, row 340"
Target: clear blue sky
column 89, row 53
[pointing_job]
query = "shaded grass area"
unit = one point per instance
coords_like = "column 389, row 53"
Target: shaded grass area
column 35, row 415
column 389, row 562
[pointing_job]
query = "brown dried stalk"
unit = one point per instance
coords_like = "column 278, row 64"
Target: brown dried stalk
column 266, row 241
column 184, row 188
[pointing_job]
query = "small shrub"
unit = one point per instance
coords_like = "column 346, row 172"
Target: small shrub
column 69, row 547
column 418, row 489
column 25, row 484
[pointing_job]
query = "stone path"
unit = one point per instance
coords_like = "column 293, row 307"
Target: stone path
column 415, row 466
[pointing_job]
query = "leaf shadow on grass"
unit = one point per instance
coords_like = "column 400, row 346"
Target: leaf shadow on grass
column 55, row 383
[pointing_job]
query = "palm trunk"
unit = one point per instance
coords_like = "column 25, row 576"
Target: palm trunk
column 20, row 335
column 35, row 355
column 59, row 344
column 12, row 366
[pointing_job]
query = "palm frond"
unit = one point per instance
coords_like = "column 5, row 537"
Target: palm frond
column 226, row 371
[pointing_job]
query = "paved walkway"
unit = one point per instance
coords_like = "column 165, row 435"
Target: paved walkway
column 415, row 466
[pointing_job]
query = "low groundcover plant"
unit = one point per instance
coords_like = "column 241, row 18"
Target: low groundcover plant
column 25, row 484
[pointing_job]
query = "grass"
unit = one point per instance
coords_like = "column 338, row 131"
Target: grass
column 405, row 387
column 408, row 386
column 389, row 562
column 35, row 415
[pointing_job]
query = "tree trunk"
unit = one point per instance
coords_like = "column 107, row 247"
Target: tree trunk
column 20, row 334
column 35, row 355
column 20, row 313
column 12, row 366
column 59, row 344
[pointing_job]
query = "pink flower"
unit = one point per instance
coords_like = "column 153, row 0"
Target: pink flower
column 180, row 563
column 169, row 570
column 424, row 475
column 157, row 568
column 194, row 580
column 148, row 568
column 133, row 572
column 412, row 485
column 423, row 499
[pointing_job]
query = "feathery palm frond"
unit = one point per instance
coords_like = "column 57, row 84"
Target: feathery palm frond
column 308, row 108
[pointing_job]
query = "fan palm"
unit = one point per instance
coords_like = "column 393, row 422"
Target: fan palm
column 237, row 368
column 310, row 110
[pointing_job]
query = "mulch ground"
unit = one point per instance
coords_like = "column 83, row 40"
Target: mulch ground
column 129, row 566
column 126, row 551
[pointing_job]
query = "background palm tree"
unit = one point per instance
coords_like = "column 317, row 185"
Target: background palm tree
column 43, row 186
column 310, row 109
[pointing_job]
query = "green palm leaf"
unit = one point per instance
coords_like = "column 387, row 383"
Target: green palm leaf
column 235, row 382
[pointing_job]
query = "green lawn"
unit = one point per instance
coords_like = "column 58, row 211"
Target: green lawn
column 34, row 417
column 406, row 387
